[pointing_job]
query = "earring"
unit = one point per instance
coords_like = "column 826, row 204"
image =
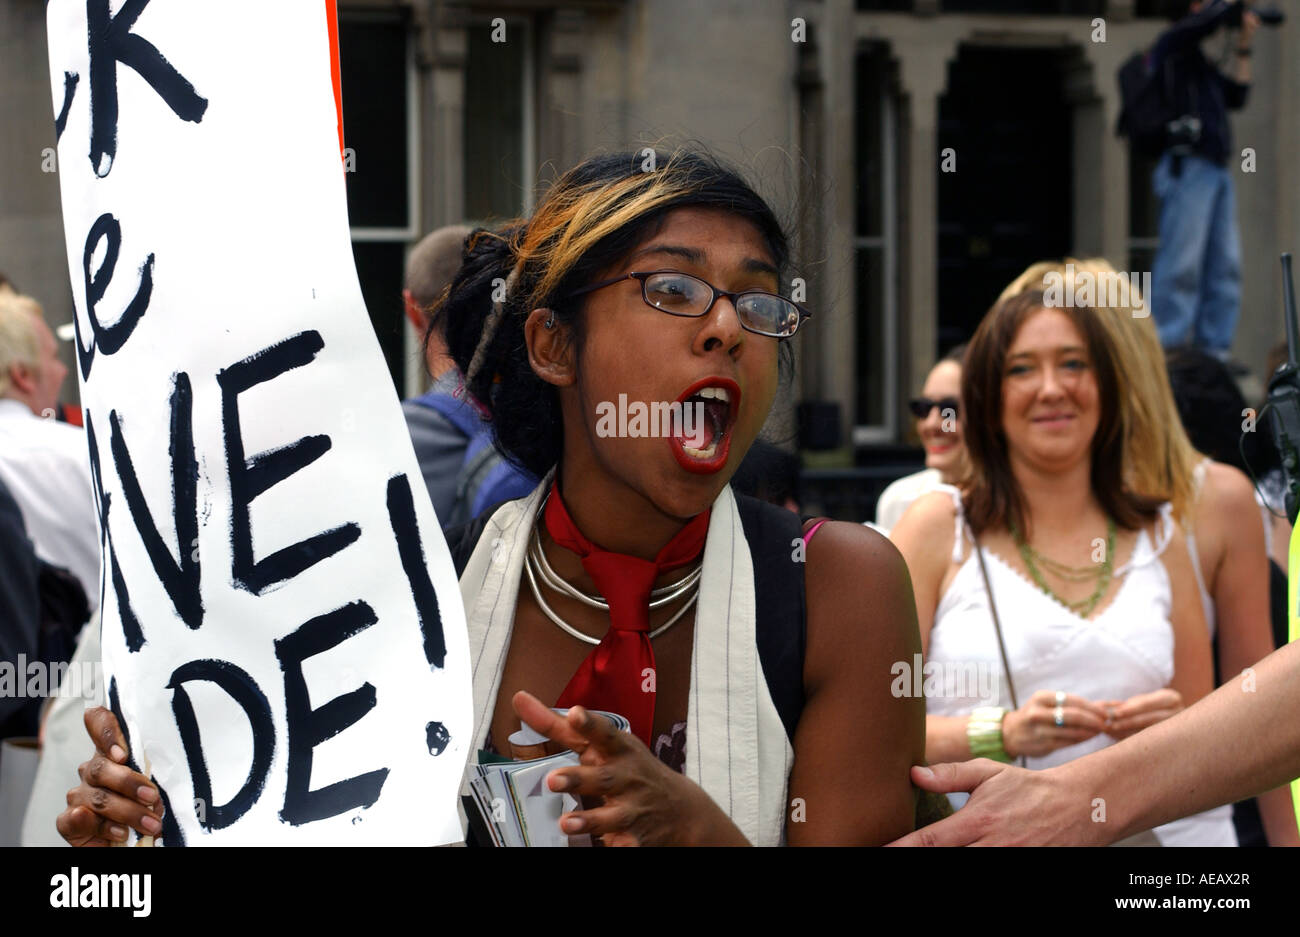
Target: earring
column 550, row 321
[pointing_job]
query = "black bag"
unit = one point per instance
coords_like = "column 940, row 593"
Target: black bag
column 1147, row 104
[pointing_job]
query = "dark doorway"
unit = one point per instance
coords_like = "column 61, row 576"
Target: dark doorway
column 1008, row 203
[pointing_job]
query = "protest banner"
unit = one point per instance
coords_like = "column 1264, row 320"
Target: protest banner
column 283, row 636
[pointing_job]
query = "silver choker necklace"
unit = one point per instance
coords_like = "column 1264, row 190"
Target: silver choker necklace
column 537, row 566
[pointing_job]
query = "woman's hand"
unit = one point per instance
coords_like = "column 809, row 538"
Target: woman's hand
column 111, row 797
column 1032, row 730
column 1137, row 712
column 643, row 801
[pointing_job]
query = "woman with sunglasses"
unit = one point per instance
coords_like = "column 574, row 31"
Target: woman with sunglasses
column 632, row 579
column 938, row 424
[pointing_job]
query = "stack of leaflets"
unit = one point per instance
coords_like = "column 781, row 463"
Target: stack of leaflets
column 511, row 796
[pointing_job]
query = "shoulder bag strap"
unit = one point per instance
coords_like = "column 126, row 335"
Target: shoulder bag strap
column 997, row 627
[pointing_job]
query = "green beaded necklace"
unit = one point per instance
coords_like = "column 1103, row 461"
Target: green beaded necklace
column 1083, row 607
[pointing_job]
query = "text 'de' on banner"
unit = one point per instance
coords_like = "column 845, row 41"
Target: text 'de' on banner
column 282, row 629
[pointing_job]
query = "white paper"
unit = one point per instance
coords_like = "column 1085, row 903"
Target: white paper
column 239, row 200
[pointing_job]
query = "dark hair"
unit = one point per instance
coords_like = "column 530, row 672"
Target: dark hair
column 591, row 217
column 1209, row 402
column 955, row 354
column 769, row 473
column 994, row 497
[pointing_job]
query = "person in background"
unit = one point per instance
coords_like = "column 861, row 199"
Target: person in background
column 770, row 474
column 44, row 462
column 1213, row 412
column 938, row 423
column 19, row 610
column 462, row 468
column 1196, row 275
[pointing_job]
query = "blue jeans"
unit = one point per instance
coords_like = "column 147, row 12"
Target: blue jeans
column 1196, row 283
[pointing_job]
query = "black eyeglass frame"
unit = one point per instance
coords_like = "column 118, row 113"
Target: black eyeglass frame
column 732, row 296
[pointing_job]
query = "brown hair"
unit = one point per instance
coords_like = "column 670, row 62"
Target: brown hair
column 993, row 497
column 1159, row 459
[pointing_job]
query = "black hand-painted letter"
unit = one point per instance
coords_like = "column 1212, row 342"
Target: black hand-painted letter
column 401, row 514
column 309, row 727
column 111, row 41
column 249, row 478
column 171, row 827
column 244, row 691
column 108, row 339
column 180, row 577
column 70, row 80
column 131, row 630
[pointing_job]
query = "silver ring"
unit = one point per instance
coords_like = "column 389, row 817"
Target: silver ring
column 1058, row 716
column 1060, row 697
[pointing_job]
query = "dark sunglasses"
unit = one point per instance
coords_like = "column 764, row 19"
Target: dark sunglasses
column 680, row 294
column 921, row 406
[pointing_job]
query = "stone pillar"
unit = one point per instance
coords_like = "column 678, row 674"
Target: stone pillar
column 1101, row 158
column 837, row 332
column 561, row 44
column 923, row 75
column 442, row 122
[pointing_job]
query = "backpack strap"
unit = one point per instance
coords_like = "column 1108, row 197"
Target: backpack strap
column 462, row 539
column 458, row 412
column 780, row 626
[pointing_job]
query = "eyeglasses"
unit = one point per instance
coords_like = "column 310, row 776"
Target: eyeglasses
column 921, row 406
column 680, row 294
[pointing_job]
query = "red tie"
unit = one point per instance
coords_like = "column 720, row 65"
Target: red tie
column 618, row 675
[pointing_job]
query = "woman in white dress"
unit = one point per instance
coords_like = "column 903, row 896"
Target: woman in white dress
column 938, row 424
column 1101, row 631
column 1210, row 499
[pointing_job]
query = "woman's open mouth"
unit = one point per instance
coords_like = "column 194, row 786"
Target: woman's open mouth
column 701, row 440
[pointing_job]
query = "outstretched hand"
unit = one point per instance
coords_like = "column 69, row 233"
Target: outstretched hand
column 1009, row 806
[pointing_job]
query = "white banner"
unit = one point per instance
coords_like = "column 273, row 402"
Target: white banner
column 282, row 627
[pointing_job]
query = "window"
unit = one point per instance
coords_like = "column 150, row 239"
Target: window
column 499, row 160
column 379, row 120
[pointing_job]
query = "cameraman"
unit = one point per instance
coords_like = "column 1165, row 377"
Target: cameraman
column 1196, row 280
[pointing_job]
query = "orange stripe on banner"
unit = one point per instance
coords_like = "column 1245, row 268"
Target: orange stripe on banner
column 332, row 17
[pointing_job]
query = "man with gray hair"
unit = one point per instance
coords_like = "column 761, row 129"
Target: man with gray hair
column 462, row 468
column 44, row 463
